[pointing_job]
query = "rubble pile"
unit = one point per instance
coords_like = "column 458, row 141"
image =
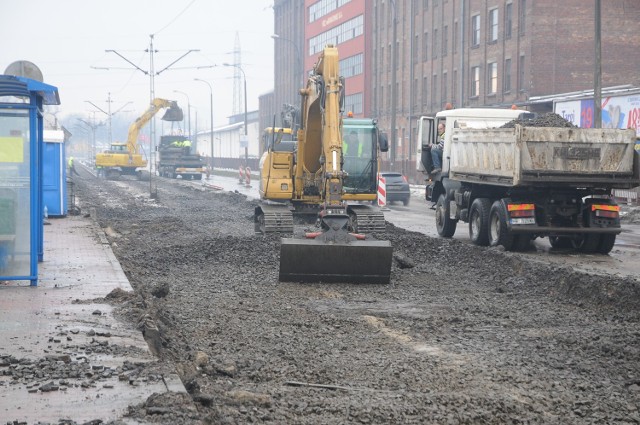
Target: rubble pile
column 467, row 335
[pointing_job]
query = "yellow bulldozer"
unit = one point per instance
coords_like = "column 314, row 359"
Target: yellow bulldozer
column 126, row 158
column 312, row 176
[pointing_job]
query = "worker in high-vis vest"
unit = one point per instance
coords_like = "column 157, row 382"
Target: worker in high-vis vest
column 352, row 145
column 72, row 167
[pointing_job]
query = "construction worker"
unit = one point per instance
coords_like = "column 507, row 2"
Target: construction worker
column 72, row 168
column 176, row 143
column 352, row 145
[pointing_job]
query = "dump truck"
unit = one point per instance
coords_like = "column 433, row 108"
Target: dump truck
column 177, row 158
column 313, row 178
column 126, row 158
column 514, row 181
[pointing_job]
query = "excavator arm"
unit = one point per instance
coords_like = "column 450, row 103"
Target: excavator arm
column 174, row 113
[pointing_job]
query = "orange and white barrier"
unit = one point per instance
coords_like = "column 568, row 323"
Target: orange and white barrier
column 247, row 174
column 382, row 192
column 241, row 175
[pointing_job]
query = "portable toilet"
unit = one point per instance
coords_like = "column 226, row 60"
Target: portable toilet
column 54, row 170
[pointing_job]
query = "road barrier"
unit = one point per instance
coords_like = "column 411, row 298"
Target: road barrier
column 241, row 175
column 248, row 177
column 382, row 192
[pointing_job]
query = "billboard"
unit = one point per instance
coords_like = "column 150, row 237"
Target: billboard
column 617, row 112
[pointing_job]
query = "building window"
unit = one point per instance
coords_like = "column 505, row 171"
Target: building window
column 425, row 46
column 435, row 44
column 454, row 85
column 381, row 99
column 521, row 83
column 337, row 35
column 445, row 94
column 351, row 66
column 508, row 20
column 434, row 89
column 353, row 103
column 445, row 40
column 493, row 25
column 415, row 48
column 507, row 76
column 522, row 9
column 454, row 37
column 475, row 81
column 414, row 94
column 425, row 91
column 475, row 31
column 324, row 7
column 492, row 82
column 425, row 4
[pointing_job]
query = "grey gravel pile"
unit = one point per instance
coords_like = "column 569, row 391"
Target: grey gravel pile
column 462, row 335
column 549, row 119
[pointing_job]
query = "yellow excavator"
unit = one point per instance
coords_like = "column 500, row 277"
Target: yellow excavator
column 312, row 176
column 126, row 158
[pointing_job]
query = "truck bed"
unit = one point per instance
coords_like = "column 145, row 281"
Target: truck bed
column 545, row 156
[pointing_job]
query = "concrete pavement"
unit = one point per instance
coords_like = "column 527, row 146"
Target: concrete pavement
column 63, row 354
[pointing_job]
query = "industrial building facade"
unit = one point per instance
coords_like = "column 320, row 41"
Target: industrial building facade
column 468, row 53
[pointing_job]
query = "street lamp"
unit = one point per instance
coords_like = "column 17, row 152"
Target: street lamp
column 299, row 57
column 211, row 100
column 188, row 110
column 246, row 146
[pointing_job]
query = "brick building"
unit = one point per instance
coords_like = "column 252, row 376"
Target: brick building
column 466, row 52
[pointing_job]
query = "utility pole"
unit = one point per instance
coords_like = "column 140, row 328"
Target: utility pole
column 109, row 114
column 394, row 94
column 597, row 75
column 152, row 73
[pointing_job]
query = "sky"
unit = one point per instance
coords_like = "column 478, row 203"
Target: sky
column 68, row 39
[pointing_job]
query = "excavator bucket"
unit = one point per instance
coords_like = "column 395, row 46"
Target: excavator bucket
column 173, row 113
column 335, row 257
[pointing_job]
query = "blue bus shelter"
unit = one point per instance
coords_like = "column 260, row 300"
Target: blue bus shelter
column 21, row 175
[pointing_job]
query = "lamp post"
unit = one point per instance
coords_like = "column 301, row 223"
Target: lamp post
column 299, row 59
column 246, row 146
column 188, row 110
column 211, row 100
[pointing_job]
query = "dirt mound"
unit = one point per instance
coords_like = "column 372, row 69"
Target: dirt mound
column 549, row 119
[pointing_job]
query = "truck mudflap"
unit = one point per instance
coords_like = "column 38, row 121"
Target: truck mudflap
column 273, row 218
column 367, row 219
column 335, row 255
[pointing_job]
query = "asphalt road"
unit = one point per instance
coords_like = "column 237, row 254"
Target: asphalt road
column 418, row 217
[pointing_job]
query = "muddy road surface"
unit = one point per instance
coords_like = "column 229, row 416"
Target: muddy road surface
column 461, row 335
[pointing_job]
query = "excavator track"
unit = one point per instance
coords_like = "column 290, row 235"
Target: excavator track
column 273, row 219
column 367, row 219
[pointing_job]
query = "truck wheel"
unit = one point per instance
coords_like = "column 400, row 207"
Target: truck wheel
column 499, row 233
column 445, row 226
column 479, row 221
column 405, row 201
column 587, row 242
column 606, row 243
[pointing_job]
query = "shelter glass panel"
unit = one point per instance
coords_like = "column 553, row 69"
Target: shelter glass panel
column 15, row 193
